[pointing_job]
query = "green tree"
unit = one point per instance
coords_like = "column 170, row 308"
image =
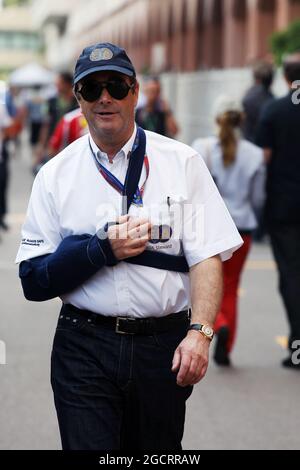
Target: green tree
column 285, row 42
column 12, row 3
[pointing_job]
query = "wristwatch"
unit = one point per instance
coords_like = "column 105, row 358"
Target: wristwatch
column 205, row 330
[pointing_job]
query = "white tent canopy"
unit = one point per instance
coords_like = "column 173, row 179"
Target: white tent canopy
column 30, row 75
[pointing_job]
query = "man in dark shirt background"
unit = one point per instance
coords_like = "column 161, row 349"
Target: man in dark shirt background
column 253, row 103
column 59, row 105
column 278, row 134
column 155, row 115
column 257, row 97
column 63, row 102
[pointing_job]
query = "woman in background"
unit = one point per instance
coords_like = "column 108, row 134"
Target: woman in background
column 238, row 169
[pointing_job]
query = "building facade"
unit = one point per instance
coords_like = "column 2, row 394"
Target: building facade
column 201, row 48
column 19, row 40
column 168, row 35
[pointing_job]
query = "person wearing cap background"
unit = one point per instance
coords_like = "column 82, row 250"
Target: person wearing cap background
column 125, row 354
column 237, row 167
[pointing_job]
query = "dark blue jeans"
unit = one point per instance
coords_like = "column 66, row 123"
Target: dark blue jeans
column 115, row 391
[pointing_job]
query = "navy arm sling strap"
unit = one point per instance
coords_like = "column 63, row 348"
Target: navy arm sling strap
column 153, row 259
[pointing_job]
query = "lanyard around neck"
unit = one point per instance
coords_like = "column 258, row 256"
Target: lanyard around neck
column 135, row 156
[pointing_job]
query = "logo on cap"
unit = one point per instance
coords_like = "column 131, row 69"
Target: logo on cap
column 101, row 54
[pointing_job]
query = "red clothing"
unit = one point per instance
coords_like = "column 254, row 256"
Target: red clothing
column 69, row 128
column 232, row 270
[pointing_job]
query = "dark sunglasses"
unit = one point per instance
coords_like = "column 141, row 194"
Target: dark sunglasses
column 92, row 90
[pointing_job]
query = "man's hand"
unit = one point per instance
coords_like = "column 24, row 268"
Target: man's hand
column 191, row 359
column 191, row 356
column 129, row 237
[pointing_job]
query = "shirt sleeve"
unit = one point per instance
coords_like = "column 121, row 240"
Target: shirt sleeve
column 208, row 228
column 41, row 230
column 199, row 146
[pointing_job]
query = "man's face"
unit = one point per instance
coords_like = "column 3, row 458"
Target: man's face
column 109, row 118
column 152, row 91
column 63, row 88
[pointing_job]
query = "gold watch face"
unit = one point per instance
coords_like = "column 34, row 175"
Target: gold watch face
column 207, row 330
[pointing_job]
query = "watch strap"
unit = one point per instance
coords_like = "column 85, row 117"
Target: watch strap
column 199, row 327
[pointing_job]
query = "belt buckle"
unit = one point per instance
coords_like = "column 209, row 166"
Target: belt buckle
column 118, row 327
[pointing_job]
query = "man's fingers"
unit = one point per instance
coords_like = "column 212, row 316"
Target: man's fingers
column 137, row 243
column 122, row 219
column 133, row 227
column 136, row 221
column 136, row 247
column 176, row 360
column 129, row 238
column 195, row 372
column 191, row 370
column 140, row 231
column 203, row 370
column 184, row 368
column 191, row 360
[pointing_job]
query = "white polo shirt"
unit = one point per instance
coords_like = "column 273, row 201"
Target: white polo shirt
column 71, row 197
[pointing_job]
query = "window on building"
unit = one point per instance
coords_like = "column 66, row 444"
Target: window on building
column 18, row 40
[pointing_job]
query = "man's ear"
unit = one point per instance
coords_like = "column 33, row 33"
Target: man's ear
column 136, row 92
column 77, row 96
column 137, row 87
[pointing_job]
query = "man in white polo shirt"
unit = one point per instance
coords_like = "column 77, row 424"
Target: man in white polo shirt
column 129, row 230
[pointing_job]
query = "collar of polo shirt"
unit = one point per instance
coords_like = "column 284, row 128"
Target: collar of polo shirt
column 102, row 156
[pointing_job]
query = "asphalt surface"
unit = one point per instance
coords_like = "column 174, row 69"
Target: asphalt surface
column 252, row 405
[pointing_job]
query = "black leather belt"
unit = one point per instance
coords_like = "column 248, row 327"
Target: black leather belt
column 130, row 325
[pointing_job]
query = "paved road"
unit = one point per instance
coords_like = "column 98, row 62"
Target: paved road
column 254, row 405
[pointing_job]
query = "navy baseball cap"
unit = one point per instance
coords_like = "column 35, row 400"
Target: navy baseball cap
column 101, row 57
